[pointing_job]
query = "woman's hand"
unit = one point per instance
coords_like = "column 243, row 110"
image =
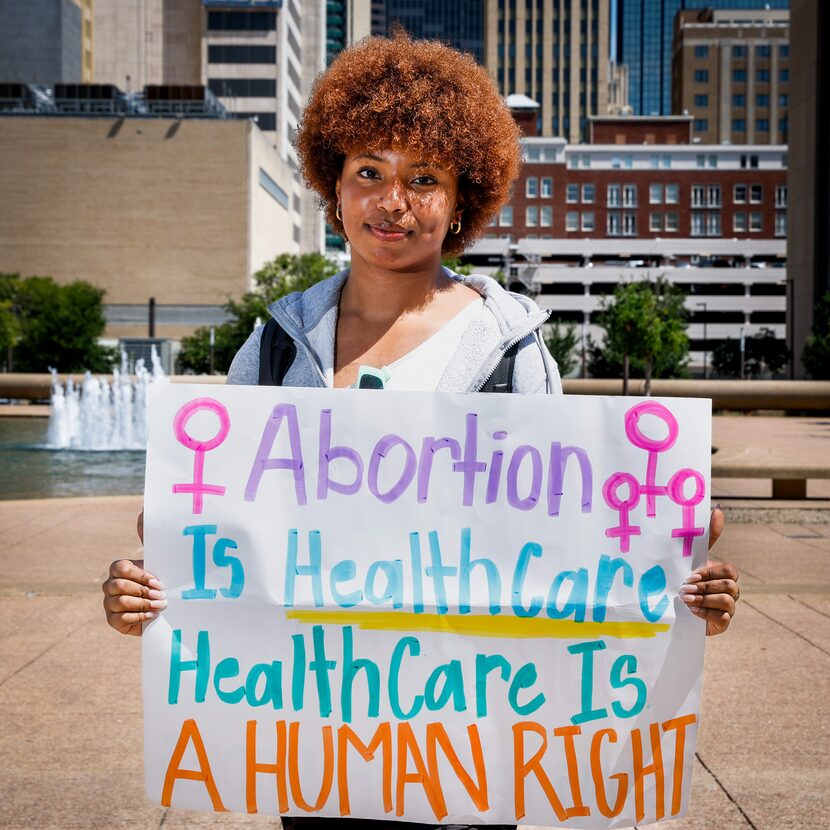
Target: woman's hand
column 132, row 596
column 711, row 592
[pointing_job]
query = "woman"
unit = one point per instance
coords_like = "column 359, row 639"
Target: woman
column 412, row 152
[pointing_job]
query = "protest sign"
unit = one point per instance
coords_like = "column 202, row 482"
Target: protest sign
column 424, row 607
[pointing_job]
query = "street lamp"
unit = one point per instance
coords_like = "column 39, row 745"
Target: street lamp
column 705, row 344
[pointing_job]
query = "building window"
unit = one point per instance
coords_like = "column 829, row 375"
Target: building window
column 585, row 160
column 532, row 154
column 698, row 224
column 739, row 51
column 739, row 100
column 655, row 194
column 242, row 21
column 780, row 223
column 783, row 101
column 739, row 76
column 532, row 216
column 700, row 160
column 270, row 186
column 588, row 194
column 762, row 100
column 713, row 161
column 615, row 162
column 613, row 224
column 783, row 126
column 672, row 222
column 762, row 51
column 713, row 195
column 756, row 194
column 588, row 220
column 701, row 100
column 573, row 161
column 613, row 196
column 739, row 222
column 784, row 50
column 654, row 161
column 629, row 195
column 666, row 162
column 784, row 75
column 655, row 222
column 781, row 195
column 701, row 51
column 531, row 187
column 713, row 227
column 701, row 125
column 243, row 87
column 572, row 221
column 572, row 194
column 698, row 196
column 762, row 76
column 672, row 194
column 762, row 125
column 547, row 187
column 701, row 76
column 546, row 216
column 739, row 194
column 756, row 222
column 506, row 216
column 629, row 224
column 738, row 125
column 221, row 53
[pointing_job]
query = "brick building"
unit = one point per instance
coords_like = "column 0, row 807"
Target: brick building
column 643, row 199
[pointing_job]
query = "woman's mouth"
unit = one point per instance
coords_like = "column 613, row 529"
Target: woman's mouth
column 388, row 233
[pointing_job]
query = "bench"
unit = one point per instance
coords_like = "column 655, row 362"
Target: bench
column 789, row 481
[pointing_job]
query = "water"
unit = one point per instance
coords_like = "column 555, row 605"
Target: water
column 31, row 469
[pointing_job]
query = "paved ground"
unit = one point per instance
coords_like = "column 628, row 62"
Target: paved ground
column 71, row 740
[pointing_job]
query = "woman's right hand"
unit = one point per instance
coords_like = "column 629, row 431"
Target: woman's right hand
column 132, row 596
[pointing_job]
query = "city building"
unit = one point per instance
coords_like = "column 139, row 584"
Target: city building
column 555, row 53
column 641, row 200
column 152, row 197
column 645, row 38
column 460, row 23
column 731, row 71
column 42, row 42
column 809, row 170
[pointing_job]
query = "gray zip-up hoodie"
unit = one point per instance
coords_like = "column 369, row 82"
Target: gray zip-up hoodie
column 310, row 319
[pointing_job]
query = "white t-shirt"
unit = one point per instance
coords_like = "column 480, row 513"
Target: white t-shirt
column 421, row 369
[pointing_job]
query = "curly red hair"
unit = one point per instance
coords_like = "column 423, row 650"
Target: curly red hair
column 425, row 99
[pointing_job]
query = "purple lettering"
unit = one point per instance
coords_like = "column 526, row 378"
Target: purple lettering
column 381, row 450
column 329, row 454
column 532, row 499
column 470, row 466
column 428, row 449
column 556, row 476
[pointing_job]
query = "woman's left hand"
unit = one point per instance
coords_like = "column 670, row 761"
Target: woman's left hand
column 711, row 592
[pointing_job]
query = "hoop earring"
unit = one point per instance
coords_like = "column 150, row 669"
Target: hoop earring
column 338, row 213
column 455, row 227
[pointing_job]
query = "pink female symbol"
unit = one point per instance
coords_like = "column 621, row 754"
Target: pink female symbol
column 198, row 488
column 676, row 486
column 651, row 489
column 624, row 530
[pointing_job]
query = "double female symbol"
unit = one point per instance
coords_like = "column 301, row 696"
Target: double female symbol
column 674, row 489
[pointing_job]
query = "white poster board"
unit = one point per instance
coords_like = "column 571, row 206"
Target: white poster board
column 425, row 607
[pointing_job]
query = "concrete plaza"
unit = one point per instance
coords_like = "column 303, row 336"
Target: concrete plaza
column 70, row 690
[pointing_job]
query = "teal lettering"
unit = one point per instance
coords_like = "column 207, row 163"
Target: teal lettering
column 411, row 645
column 528, row 550
column 201, row 665
column 393, row 571
column 606, row 571
column 351, row 667
column 628, row 663
column 653, row 582
column 342, row 572
column 587, row 712
column 272, row 688
column 465, row 569
column 453, row 687
column 524, row 678
column 225, row 669
column 486, row 663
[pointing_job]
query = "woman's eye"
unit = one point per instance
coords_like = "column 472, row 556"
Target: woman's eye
column 367, row 173
column 423, row 180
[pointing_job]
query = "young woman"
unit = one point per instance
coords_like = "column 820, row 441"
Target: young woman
column 412, row 152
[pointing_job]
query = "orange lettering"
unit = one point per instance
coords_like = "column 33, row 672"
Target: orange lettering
column 252, row 767
column 568, row 732
column 522, row 769
column 190, row 732
column 655, row 768
column 680, row 725
column 407, row 745
column 294, row 772
column 382, row 737
column 596, row 773
column 436, row 734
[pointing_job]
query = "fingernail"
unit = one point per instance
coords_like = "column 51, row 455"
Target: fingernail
column 153, row 594
column 161, row 604
column 149, row 615
column 694, row 577
column 688, row 589
column 698, row 612
column 687, row 598
column 154, row 583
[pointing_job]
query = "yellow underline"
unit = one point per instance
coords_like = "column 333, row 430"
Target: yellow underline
column 480, row 626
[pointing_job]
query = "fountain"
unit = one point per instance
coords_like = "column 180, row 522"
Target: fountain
column 103, row 416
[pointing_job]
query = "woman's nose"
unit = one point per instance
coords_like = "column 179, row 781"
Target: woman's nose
column 393, row 197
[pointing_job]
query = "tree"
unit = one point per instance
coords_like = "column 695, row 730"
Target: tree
column 562, row 340
column 764, row 354
column 55, row 326
column 645, row 332
column 283, row 275
column 455, row 264
column 816, row 353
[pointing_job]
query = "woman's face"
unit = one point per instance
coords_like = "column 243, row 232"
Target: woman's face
column 396, row 208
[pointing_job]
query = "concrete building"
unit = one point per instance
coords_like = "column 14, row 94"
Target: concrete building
column 41, row 42
column 555, row 52
column 645, row 36
column 809, row 169
column 641, row 200
column 183, row 210
column 731, row 71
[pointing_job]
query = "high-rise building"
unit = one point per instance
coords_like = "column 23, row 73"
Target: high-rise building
column 41, row 42
column 733, row 75
column 459, row 23
column 645, row 36
column 556, row 53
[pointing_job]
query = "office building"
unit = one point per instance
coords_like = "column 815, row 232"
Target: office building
column 41, row 42
column 733, row 75
column 809, row 169
column 641, row 200
column 555, row 52
column 645, row 37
